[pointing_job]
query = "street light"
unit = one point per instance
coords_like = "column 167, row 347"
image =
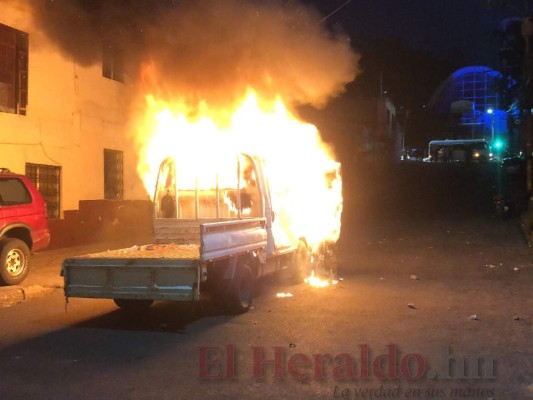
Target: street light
column 490, row 111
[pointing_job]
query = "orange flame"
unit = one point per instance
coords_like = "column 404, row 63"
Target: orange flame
column 303, row 175
column 316, row 281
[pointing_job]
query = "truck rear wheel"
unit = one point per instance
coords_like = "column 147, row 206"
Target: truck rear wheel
column 240, row 290
column 132, row 305
column 14, row 261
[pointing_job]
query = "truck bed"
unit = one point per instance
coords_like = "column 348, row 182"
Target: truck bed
column 156, row 251
column 166, row 271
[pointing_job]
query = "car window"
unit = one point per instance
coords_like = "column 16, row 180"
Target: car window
column 480, row 146
column 13, row 192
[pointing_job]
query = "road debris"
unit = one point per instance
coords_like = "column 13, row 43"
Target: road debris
column 474, row 317
column 517, row 318
column 414, row 277
column 490, row 266
column 411, row 305
column 292, row 345
column 516, row 269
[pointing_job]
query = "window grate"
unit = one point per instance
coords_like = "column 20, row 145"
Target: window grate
column 47, row 178
column 113, row 175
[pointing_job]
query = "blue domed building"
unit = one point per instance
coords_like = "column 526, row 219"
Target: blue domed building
column 469, row 102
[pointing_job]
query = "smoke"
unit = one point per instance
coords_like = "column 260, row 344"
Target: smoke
column 212, row 50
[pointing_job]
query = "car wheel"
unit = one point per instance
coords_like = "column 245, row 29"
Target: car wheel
column 14, row 261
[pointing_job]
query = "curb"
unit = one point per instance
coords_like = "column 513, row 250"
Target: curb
column 12, row 295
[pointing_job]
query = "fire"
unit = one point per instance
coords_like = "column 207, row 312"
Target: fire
column 303, row 175
column 316, row 281
column 283, row 295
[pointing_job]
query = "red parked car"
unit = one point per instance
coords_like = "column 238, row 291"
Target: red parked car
column 23, row 226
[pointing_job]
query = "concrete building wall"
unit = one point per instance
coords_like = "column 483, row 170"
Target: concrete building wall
column 73, row 114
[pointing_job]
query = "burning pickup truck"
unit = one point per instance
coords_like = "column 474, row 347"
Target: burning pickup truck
column 217, row 229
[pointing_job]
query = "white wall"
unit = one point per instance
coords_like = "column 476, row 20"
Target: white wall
column 73, row 113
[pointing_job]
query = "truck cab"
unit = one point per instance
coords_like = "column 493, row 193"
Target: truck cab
column 184, row 201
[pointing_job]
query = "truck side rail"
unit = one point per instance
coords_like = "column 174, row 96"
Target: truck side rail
column 224, row 239
column 178, row 230
column 127, row 278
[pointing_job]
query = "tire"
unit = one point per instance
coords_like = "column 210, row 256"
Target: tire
column 14, row 261
column 326, row 260
column 131, row 305
column 240, row 290
column 300, row 264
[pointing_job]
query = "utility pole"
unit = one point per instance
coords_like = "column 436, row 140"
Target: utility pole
column 526, row 102
column 527, row 32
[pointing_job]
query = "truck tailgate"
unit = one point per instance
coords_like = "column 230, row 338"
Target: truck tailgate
column 156, row 272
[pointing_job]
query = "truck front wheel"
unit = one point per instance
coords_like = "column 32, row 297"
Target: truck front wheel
column 240, row 290
column 300, row 264
column 14, row 261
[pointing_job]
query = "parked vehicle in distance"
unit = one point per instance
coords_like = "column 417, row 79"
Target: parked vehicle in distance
column 23, row 226
column 412, row 155
column 512, row 198
column 459, row 150
column 514, row 165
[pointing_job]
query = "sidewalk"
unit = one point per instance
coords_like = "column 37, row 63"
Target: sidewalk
column 11, row 295
column 44, row 276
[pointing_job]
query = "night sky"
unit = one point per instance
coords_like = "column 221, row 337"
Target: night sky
column 438, row 26
column 409, row 47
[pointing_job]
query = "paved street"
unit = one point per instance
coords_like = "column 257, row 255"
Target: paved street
column 431, row 276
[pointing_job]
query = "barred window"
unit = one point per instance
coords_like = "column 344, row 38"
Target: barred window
column 13, row 70
column 113, row 175
column 47, row 178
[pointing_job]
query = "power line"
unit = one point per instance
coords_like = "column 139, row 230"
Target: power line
column 336, row 10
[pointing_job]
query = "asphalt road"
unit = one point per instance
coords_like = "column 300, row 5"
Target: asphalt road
column 422, row 252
